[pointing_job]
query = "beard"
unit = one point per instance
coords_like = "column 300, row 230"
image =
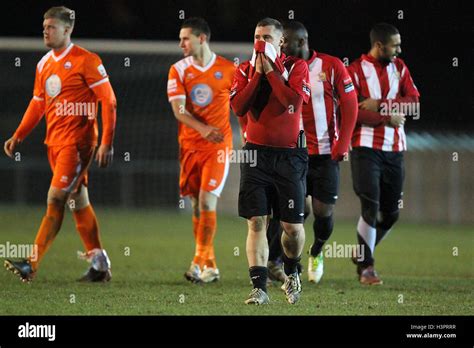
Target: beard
column 387, row 57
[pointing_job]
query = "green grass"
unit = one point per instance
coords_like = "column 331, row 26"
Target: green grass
column 415, row 261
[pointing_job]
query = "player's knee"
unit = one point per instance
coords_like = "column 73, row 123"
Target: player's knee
column 370, row 209
column 387, row 220
column 257, row 224
column 321, row 209
column 323, row 226
column 79, row 199
column 207, row 201
column 57, row 197
column 205, row 206
column 293, row 230
column 76, row 203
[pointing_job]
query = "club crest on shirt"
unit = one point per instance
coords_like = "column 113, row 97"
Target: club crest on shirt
column 218, row 75
column 201, row 94
column 53, row 85
column 322, row 76
column 68, row 65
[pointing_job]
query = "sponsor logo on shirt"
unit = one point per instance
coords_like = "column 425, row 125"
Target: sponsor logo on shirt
column 201, row 94
column 348, row 85
column 102, row 71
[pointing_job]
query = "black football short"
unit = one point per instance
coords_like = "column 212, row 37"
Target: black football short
column 323, row 178
column 378, row 176
column 279, row 177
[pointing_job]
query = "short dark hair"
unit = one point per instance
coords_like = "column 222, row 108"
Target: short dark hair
column 198, row 26
column 382, row 32
column 64, row 14
column 270, row 21
column 294, row 26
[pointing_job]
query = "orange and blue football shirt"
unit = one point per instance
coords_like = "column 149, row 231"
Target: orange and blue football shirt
column 207, row 91
column 64, row 83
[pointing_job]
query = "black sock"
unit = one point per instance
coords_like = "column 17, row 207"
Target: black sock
column 274, row 239
column 368, row 258
column 380, row 235
column 322, row 228
column 384, row 225
column 258, row 275
column 290, row 265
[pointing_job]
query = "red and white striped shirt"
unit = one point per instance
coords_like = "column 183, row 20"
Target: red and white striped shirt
column 382, row 81
column 330, row 82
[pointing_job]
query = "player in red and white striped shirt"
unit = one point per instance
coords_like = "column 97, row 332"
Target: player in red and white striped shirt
column 328, row 120
column 386, row 95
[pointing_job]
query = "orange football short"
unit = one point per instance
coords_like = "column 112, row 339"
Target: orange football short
column 203, row 170
column 69, row 164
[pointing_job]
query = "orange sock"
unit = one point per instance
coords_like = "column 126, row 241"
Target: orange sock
column 48, row 230
column 204, row 255
column 88, row 228
column 195, row 226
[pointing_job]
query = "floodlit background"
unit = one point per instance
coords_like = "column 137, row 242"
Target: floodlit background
column 137, row 42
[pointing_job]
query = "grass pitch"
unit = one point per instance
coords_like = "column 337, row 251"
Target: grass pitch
column 150, row 251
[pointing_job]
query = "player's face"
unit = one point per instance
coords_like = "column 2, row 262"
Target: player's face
column 270, row 35
column 291, row 44
column 55, row 33
column 392, row 49
column 188, row 42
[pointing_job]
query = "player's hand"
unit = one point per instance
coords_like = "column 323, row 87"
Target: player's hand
column 397, row 119
column 338, row 154
column 212, row 134
column 259, row 64
column 267, row 65
column 10, row 145
column 370, row 104
column 104, row 155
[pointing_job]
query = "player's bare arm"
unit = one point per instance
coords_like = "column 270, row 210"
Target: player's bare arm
column 210, row 133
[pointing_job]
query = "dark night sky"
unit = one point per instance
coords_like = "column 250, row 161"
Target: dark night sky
column 433, row 32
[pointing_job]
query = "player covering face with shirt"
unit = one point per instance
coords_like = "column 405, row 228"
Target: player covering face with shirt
column 267, row 95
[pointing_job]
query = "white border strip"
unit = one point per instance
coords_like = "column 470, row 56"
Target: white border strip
column 125, row 46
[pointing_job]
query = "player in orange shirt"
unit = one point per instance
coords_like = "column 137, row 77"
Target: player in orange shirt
column 198, row 90
column 70, row 82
